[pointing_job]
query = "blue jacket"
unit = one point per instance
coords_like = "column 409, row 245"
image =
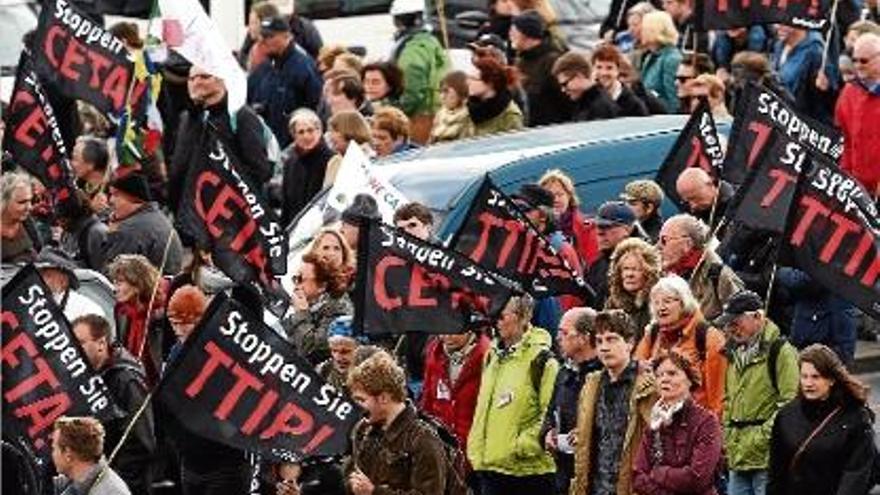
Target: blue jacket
column 725, row 47
column 658, row 74
column 279, row 86
column 798, row 75
column 819, row 315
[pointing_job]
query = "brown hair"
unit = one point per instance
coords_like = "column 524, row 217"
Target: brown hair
column 127, row 32
column 347, row 82
column 188, row 303
column 83, row 435
column 379, row 374
column 351, row 125
column 543, row 7
column 99, row 327
column 327, row 55
column 414, row 209
column 680, row 362
column 701, row 62
column 607, row 52
column 347, row 254
column 614, row 321
column 572, row 63
column 137, row 270
column 829, row 366
column 265, row 9
column 457, row 80
column 350, row 61
column 391, row 73
column 753, row 61
column 392, row 120
column 333, row 278
column 495, row 74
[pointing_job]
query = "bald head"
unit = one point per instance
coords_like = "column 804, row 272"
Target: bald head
column 866, row 56
column 696, row 188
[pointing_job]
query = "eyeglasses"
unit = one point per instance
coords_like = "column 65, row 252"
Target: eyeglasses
column 298, row 279
column 665, row 239
column 864, row 60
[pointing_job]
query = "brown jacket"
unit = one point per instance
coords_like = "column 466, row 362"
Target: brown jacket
column 710, row 296
column 641, row 400
column 406, row 458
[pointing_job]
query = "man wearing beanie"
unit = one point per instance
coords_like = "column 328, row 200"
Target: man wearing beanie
column 535, row 56
column 137, row 226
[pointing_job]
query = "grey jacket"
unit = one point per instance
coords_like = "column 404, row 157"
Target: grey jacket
column 145, row 232
column 307, row 330
column 109, row 484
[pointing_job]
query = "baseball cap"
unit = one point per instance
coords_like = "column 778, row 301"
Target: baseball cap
column 740, row 303
column 613, row 213
column 488, row 40
column 272, row 25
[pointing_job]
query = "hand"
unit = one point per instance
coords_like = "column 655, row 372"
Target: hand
column 723, row 75
column 822, row 81
column 360, row 484
column 550, row 440
column 98, row 202
column 299, row 301
column 286, row 487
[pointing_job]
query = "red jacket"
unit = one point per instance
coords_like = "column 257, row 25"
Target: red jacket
column 453, row 404
column 690, row 453
column 858, row 116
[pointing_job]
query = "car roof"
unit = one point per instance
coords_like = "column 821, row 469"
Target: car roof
column 435, row 170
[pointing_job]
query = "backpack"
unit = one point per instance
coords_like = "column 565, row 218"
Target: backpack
column 772, row 358
column 456, row 463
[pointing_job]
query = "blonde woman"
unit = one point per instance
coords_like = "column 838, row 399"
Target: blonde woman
column 343, row 128
column 635, row 268
column 662, row 56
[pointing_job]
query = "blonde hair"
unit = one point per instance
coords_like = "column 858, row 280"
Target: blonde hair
column 650, row 258
column 658, row 27
column 543, row 7
column 351, row 125
column 713, row 83
column 137, row 270
column 558, row 176
column 347, row 254
column 379, row 374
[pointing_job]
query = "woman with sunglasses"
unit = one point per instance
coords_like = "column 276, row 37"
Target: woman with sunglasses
column 823, row 441
column 319, row 297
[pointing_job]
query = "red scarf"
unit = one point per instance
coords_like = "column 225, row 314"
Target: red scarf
column 684, row 266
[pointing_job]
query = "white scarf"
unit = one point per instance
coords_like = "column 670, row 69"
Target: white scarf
column 662, row 413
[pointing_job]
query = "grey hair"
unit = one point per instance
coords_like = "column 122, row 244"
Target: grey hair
column 9, row 183
column 523, row 306
column 677, row 286
column 693, row 228
column 305, row 115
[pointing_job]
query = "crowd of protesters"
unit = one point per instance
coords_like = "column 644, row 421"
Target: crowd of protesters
column 678, row 376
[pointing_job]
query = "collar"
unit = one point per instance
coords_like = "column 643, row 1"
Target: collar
column 397, row 426
column 628, row 376
column 872, row 87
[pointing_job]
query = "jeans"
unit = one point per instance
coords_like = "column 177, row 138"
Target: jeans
column 747, row 482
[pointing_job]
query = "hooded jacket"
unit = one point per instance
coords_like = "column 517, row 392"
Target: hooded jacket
column 423, row 61
column 510, row 409
column 641, row 399
column 751, row 401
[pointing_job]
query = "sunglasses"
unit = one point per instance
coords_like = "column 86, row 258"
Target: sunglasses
column 664, row 240
column 864, row 60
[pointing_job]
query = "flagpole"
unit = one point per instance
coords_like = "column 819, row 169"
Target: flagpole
column 441, row 15
column 125, row 435
column 833, row 20
column 140, row 352
column 706, row 249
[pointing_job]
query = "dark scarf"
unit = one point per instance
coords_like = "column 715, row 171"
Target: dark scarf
column 685, row 266
column 485, row 110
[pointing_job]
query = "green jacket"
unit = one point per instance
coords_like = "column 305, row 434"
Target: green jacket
column 509, row 412
column 423, row 62
column 511, row 119
column 658, row 74
column 751, row 402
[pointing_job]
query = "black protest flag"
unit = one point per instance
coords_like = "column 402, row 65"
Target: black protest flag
column 33, row 135
column 46, row 374
column 759, row 110
column 498, row 236
column 408, row 285
column 82, row 59
column 228, row 217
column 239, row 383
column 834, row 235
column 697, row 146
column 730, row 14
column 765, row 198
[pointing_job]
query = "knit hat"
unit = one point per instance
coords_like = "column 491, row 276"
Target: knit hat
column 363, row 206
column 643, row 190
column 530, row 24
column 134, row 185
column 532, row 196
column 188, row 304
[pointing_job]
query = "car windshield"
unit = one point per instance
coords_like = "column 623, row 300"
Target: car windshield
column 15, row 21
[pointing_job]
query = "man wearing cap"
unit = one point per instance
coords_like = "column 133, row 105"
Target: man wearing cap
column 535, row 56
column 615, row 408
column 577, row 347
column 762, row 375
column 615, row 221
column 343, row 347
column 126, row 381
column 574, row 73
column 243, row 133
column 423, row 61
column 137, row 226
column 58, row 274
column 644, row 198
column 288, row 80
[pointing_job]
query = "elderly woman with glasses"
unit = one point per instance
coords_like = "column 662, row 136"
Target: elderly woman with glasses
column 678, row 325
column 319, row 297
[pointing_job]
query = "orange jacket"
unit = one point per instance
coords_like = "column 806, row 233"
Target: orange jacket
column 710, row 393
